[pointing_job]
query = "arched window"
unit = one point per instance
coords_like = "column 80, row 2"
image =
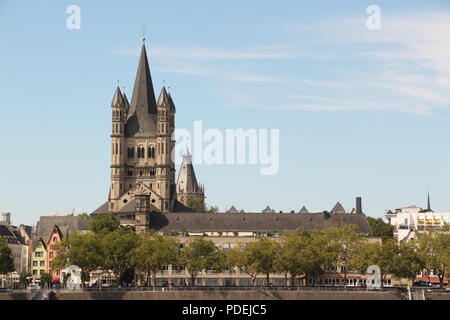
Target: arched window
column 131, row 152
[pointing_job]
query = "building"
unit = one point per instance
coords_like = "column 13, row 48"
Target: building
column 56, row 237
column 409, row 221
column 39, row 257
column 187, row 186
column 19, row 244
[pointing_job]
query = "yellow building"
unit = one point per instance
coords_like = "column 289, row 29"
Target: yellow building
column 39, row 258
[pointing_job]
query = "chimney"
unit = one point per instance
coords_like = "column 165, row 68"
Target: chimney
column 358, row 205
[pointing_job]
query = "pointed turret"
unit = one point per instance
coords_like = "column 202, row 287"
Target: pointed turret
column 117, row 100
column 163, row 100
column 187, row 182
column 126, row 103
column 187, row 186
column 172, row 105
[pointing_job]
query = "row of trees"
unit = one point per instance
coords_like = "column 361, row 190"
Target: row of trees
column 305, row 254
column 308, row 254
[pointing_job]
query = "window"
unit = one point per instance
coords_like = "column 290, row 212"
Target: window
column 131, row 152
column 35, row 263
column 50, row 255
column 42, row 263
column 54, row 239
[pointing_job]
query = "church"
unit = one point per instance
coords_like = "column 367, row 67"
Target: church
column 143, row 191
column 142, row 168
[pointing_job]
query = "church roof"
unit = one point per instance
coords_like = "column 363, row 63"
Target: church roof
column 258, row 222
column 66, row 224
column 187, row 182
column 141, row 120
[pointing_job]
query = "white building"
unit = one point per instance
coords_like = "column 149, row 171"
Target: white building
column 410, row 220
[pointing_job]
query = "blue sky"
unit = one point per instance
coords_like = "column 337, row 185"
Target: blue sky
column 360, row 112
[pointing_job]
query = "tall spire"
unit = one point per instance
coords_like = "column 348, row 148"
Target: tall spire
column 143, row 99
column 141, row 117
column 429, row 203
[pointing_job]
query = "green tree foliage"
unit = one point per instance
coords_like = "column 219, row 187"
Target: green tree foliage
column 153, row 252
column 84, row 215
column 105, row 224
column 82, row 250
column 24, row 279
column 342, row 243
column 258, row 257
column 380, row 228
column 434, row 251
column 197, row 255
column 46, row 279
column 6, row 258
column 402, row 260
column 117, row 247
column 195, row 204
column 212, row 209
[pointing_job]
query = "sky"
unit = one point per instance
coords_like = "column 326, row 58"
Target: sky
column 360, row 112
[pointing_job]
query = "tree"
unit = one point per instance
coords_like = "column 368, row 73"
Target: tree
column 117, row 247
column 24, row 279
column 198, row 254
column 408, row 261
column 153, row 252
column 46, row 279
column 434, row 251
column 380, row 228
column 84, row 215
column 292, row 259
column 342, row 243
column 258, row 257
column 212, row 209
column 82, row 250
column 105, row 224
column 196, row 204
column 6, row 258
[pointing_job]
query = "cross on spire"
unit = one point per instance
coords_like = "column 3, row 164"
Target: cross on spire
column 143, row 32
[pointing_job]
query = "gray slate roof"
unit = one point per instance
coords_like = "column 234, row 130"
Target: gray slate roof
column 141, row 120
column 67, row 224
column 261, row 222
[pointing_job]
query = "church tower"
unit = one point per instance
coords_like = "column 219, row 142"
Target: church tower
column 187, row 186
column 117, row 144
column 142, row 145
